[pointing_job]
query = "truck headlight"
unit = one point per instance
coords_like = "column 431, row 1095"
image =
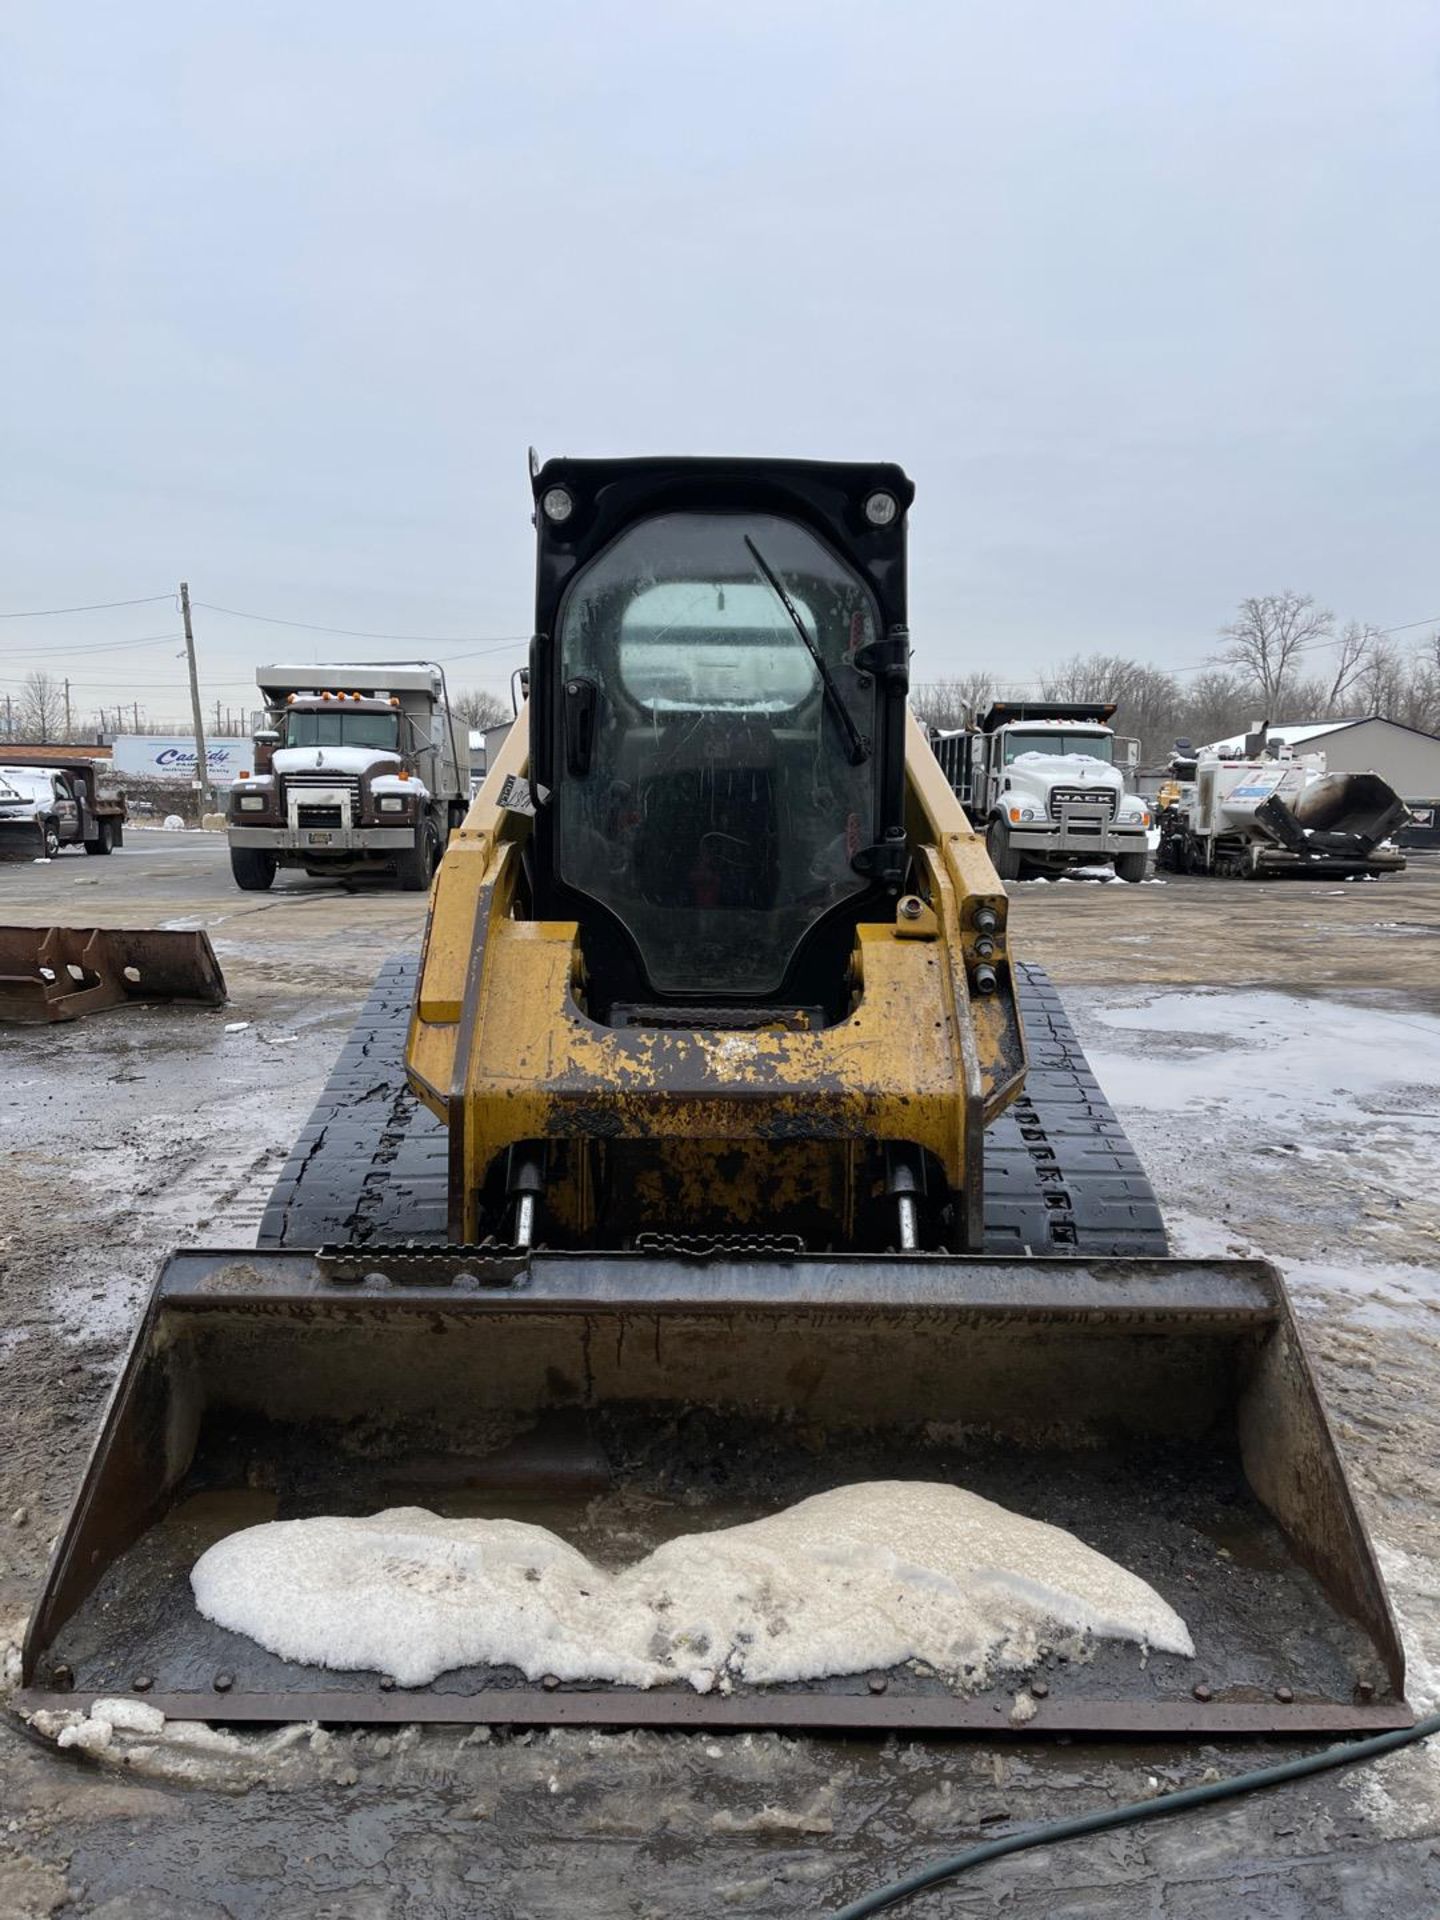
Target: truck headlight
column 1028, row 813
column 1133, row 815
column 392, row 803
column 252, row 803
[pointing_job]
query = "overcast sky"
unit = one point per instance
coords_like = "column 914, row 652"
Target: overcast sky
column 1145, row 294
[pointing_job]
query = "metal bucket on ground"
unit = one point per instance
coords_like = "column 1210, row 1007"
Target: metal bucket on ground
column 59, row 973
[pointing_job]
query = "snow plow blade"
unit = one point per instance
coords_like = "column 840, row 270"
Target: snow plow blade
column 21, row 840
column 1162, row 1410
column 59, row 973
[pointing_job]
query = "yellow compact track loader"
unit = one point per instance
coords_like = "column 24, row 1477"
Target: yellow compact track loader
column 718, row 1151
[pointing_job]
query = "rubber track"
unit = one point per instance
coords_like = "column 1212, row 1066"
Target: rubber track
column 370, row 1164
column 1060, row 1175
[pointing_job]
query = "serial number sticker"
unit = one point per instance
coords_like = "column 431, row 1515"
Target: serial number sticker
column 515, row 795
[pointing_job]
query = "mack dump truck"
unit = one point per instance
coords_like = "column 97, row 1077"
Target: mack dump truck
column 1043, row 781
column 717, row 1150
column 363, row 768
column 1267, row 813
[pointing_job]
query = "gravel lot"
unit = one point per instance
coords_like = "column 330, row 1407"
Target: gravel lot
column 1275, row 1051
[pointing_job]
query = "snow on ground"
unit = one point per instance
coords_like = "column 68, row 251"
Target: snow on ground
column 1275, row 1062
column 865, row 1576
column 1103, row 875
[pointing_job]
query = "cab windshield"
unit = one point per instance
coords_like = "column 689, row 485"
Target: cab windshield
column 334, row 727
column 726, row 782
column 1099, row 746
column 26, row 783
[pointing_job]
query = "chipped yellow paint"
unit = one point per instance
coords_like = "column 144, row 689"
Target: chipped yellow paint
column 502, row 1050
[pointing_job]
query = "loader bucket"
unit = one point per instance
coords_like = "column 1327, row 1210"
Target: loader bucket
column 1163, row 1410
column 58, row 973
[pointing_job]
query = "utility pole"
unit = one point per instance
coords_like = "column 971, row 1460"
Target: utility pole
column 68, row 734
column 202, row 770
column 135, row 710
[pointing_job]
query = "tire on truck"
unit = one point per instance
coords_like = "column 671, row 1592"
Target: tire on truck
column 253, row 868
column 415, row 866
column 1131, row 866
column 1003, row 857
column 104, row 838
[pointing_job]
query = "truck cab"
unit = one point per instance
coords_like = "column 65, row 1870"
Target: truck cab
column 1045, row 782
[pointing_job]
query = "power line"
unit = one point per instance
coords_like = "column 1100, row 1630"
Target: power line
column 98, row 646
column 1433, row 621
column 360, row 633
column 177, row 683
column 95, row 606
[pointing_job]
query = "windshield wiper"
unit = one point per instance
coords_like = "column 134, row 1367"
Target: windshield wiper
column 859, row 752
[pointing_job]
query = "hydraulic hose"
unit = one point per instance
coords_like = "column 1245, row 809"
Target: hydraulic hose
column 1347, row 1754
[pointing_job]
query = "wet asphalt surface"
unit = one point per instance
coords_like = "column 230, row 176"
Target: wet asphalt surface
column 1298, row 1117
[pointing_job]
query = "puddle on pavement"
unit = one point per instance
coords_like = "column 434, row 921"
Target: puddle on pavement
column 1263, row 1056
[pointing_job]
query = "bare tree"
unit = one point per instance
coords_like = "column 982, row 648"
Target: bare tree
column 1149, row 703
column 1084, row 676
column 947, row 704
column 1370, row 674
column 1214, row 705
column 42, row 707
column 1380, row 685
column 1356, row 644
column 1422, row 702
column 480, row 709
column 1269, row 635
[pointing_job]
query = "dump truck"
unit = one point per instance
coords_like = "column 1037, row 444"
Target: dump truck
column 47, row 804
column 363, row 768
column 1044, row 781
column 1270, row 813
column 719, row 1149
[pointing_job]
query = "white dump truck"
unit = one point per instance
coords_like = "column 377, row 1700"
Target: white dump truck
column 362, row 768
column 1045, row 783
column 1267, row 812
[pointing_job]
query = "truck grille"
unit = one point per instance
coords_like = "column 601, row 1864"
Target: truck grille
column 1097, row 800
column 330, row 782
column 324, row 810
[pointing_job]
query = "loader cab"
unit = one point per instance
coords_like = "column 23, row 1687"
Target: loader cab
column 717, row 727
